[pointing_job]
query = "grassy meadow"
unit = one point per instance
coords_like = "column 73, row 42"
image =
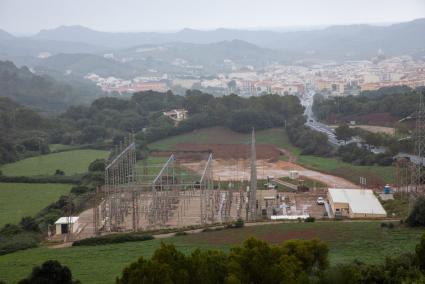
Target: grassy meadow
column 22, row 199
column 71, row 162
column 365, row 241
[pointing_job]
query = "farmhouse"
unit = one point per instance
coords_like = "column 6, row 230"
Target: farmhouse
column 66, row 225
column 355, row 203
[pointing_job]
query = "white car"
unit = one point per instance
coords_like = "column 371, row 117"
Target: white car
column 320, row 201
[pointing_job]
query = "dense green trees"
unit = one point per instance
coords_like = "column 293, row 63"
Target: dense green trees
column 399, row 102
column 108, row 118
column 344, row 132
column 24, row 131
column 43, row 92
column 50, row 272
column 351, row 153
column 253, row 262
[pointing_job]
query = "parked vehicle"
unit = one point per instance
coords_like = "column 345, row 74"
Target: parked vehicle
column 320, row 201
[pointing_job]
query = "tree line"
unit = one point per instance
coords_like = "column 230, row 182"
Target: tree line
column 109, row 119
column 399, row 102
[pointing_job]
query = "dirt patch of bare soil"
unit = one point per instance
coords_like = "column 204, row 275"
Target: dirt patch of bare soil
column 227, row 237
column 233, row 151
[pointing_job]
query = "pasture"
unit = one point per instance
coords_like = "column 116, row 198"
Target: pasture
column 364, row 241
column 71, row 162
column 18, row 200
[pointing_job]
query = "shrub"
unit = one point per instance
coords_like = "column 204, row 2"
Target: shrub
column 50, row 272
column 309, row 219
column 19, row 241
column 239, row 223
column 180, row 233
column 29, row 224
column 10, row 230
column 97, row 165
column 417, row 216
column 113, row 239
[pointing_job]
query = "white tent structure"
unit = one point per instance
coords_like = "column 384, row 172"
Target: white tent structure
column 355, row 203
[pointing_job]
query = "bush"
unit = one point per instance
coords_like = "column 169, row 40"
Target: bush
column 19, row 241
column 29, row 224
column 239, row 223
column 42, row 179
column 50, row 272
column 97, row 165
column 113, row 239
column 310, row 219
column 417, row 216
column 10, row 230
column 181, row 233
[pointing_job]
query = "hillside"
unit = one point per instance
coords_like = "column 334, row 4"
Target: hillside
column 42, row 93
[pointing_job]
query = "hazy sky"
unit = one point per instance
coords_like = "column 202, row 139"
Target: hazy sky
column 29, row 16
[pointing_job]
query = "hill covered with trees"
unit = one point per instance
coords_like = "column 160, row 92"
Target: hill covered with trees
column 111, row 118
column 42, row 93
column 24, row 132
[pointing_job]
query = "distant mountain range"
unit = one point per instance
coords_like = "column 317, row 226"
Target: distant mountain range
column 81, row 50
column 350, row 41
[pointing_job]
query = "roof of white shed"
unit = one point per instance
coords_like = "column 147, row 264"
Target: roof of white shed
column 360, row 200
column 67, row 220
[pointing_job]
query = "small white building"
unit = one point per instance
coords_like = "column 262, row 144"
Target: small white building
column 293, row 174
column 65, row 225
column 176, row 114
column 355, row 203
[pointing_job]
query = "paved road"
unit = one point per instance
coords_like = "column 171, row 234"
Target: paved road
column 307, row 102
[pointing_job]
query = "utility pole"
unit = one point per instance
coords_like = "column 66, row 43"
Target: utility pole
column 252, row 203
column 419, row 144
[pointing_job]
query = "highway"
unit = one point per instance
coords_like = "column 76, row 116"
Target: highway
column 307, row 102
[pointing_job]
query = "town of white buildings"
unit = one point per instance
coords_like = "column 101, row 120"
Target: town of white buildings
column 335, row 79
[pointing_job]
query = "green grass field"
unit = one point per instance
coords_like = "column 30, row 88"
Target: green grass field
column 365, row 241
column 346, row 170
column 22, row 199
column 71, row 162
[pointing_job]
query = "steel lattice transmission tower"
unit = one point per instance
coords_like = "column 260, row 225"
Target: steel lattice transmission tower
column 252, row 197
column 419, row 144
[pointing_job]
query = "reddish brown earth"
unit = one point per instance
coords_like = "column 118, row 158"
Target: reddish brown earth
column 382, row 119
column 277, row 235
column 233, row 151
